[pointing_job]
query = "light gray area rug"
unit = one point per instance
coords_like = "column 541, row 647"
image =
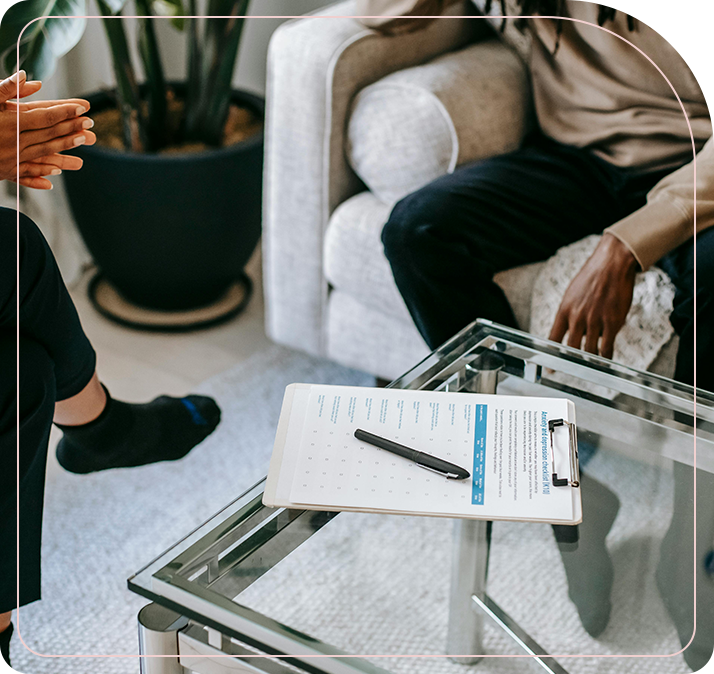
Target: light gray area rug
column 378, row 585
column 367, row 584
column 99, row 529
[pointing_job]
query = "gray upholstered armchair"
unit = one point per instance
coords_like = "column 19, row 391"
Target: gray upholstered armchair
column 355, row 121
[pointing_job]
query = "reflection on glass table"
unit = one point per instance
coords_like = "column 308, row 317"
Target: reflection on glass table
column 276, row 582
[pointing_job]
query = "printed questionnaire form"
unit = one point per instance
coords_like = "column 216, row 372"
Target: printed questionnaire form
column 502, row 440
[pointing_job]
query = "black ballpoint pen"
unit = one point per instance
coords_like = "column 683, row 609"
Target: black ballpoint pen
column 449, row 470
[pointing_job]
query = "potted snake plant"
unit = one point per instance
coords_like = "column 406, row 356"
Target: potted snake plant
column 168, row 201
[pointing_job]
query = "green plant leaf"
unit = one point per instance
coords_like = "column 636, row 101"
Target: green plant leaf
column 170, row 8
column 45, row 40
column 114, row 5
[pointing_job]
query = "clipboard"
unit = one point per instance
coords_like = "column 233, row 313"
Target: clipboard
column 286, row 457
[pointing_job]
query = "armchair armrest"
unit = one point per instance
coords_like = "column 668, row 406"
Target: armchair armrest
column 315, row 68
column 415, row 125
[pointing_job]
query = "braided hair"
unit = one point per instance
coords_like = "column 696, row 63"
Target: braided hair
column 552, row 8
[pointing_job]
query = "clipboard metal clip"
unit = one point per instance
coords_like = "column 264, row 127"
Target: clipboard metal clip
column 574, row 480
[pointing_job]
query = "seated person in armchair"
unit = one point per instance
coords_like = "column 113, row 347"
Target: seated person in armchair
column 612, row 155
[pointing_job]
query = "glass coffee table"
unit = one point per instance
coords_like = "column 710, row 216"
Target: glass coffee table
column 278, row 591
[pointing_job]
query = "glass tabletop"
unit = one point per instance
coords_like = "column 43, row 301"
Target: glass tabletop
column 317, row 584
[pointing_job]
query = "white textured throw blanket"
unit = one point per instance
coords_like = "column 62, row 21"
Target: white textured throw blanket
column 647, row 328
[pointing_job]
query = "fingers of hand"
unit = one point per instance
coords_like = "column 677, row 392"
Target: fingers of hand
column 592, row 336
column 35, row 169
column 35, row 183
column 560, row 326
column 56, row 145
column 607, row 345
column 575, row 333
column 64, row 162
column 9, row 86
column 37, row 105
column 43, row 118
column 30, row 88
column 599, row 334
column 76, row 125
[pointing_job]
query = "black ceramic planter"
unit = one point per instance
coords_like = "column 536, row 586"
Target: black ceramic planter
column 170, row 232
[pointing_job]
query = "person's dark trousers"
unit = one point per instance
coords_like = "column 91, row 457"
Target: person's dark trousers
column 446, row 241
column 56, row 362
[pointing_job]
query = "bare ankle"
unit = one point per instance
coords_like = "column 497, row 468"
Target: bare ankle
column 84, row 407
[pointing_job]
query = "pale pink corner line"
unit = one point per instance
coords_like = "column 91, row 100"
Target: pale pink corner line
column 309, row 657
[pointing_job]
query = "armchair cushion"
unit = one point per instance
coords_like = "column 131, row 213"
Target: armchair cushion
column 417, row 124
column 355, row 263
column 354, row 257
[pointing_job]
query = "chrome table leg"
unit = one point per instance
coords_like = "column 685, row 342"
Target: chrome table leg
column 158, row 635
column 468, row 578
column 472, row 539
column 513, row 630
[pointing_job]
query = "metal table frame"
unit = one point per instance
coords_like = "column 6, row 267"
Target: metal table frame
column 193, row 620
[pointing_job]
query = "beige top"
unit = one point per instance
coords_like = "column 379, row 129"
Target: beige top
column 599, row 92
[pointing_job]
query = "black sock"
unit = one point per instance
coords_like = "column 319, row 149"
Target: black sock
column 5, row 643
column 127, row 434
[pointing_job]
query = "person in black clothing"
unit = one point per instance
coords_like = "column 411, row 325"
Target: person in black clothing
column 57, row 379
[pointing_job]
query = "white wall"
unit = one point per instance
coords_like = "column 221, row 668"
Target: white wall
column 87, row 68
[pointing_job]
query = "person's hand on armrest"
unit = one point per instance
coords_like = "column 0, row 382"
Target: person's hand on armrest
column 596, row 303
column 47, row 128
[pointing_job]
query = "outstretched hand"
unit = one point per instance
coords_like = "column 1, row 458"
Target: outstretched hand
column 597, row 301
column 46, row 128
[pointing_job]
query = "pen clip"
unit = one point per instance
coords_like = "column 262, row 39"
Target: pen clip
column 448, row 476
